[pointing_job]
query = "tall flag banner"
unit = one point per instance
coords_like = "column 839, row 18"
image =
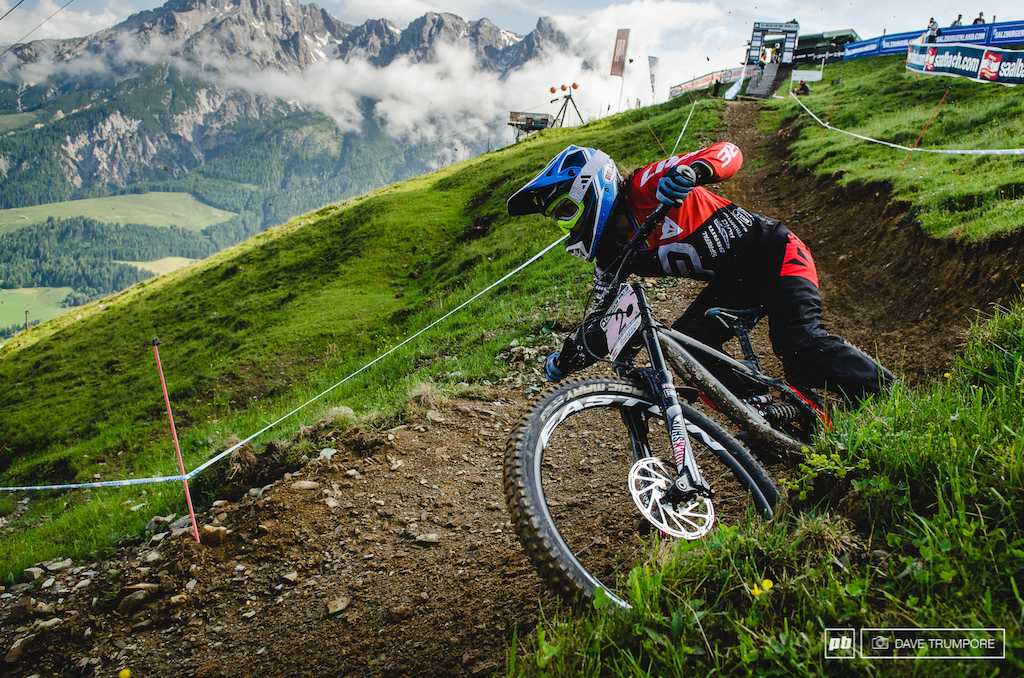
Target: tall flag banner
column 731, row 93
column 652, row 61
column 619, row 55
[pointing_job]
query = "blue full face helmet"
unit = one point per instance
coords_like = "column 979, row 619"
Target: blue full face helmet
column 578, row 188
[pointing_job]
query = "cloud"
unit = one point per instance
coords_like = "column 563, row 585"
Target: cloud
column 449, row 100
column 46, row 20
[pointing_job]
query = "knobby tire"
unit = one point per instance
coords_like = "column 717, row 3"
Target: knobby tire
column 565, row 481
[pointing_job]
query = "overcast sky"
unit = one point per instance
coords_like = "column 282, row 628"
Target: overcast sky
column 690, row 39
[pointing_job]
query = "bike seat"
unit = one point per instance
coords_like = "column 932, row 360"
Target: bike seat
column 745, row 318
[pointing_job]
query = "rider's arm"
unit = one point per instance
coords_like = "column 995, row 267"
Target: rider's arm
column 583, row 347
column 712, row 164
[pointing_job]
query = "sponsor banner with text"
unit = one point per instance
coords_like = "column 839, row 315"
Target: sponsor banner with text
column 982, row 64
column 1004, row 34
column 705, row 81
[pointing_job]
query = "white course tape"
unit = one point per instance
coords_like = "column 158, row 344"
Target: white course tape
column 211, row 462
column 101, row 483
column 994, row 151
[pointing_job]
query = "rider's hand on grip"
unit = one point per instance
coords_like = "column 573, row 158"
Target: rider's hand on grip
column 551, row 371
column 676, row 185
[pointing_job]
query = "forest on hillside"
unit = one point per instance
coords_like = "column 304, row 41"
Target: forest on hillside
column 87, row 255
column 266, row 168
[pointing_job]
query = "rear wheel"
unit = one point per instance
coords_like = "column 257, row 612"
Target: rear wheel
column 566, row 479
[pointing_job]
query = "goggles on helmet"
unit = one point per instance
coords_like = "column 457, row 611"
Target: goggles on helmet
column 566, row 211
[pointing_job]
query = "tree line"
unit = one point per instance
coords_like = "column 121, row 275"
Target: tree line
column 84, row 253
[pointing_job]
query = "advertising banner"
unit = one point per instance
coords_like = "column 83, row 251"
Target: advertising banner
column 976, row 35
column 619, row 55
column 982, row 64
column 1005, row 34
column 733, row 91
column 1009, row 33
column 705, row 81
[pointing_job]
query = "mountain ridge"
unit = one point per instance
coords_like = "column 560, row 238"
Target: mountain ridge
column 202, row 61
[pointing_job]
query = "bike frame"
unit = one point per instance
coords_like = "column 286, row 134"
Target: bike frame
column 666, row 347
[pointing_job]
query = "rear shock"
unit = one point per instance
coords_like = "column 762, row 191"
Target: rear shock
column 774, row 413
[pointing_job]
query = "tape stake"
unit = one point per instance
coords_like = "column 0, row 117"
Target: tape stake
column 174, row 434
column 184, row 477
column 921, row 136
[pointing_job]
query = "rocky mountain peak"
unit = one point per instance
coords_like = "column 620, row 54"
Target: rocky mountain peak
column 270, row 33
column 382, row 42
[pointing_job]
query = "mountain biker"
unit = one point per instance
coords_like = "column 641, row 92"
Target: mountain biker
column 747, row 259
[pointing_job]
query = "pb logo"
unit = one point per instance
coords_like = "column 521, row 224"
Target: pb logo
column 840, row 643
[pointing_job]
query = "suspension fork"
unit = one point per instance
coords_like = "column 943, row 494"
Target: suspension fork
column 660, row 380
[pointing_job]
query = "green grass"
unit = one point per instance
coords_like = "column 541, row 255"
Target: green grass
column 161, row 266
column 42, row 303
column 260, row 328
column 151, row 209
column 16, row 121
column 965, row 197
column 912, row 516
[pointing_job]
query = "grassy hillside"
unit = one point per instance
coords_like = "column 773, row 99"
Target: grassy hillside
column 15, row 121
column 42, row 303
column 256, row 329
column 163, row 265
column 966, row 197
column 929, row 533
column 151, row 209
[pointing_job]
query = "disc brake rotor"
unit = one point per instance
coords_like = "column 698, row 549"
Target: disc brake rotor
column 650, row 480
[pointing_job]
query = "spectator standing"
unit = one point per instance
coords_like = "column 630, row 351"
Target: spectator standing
column 980, row 19
column 959, row 20
column 933, row 29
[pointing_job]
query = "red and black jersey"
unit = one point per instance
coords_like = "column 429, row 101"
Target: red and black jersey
column 750, row 261
column 707, row 236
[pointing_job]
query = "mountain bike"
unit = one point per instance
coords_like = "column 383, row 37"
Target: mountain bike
column 598, row 466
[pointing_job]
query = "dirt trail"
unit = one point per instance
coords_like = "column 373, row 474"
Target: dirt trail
column 394, row 556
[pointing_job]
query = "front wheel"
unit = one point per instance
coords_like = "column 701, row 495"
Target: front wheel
column 566, row 478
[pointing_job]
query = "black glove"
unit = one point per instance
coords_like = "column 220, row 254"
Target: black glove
column 676, row 184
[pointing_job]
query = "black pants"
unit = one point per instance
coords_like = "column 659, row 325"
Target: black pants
column 810, row 356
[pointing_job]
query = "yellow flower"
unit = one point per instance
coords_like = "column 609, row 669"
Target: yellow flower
column 756, row 591
column 767, row 584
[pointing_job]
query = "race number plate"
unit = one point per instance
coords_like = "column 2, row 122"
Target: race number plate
column 622, row 322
